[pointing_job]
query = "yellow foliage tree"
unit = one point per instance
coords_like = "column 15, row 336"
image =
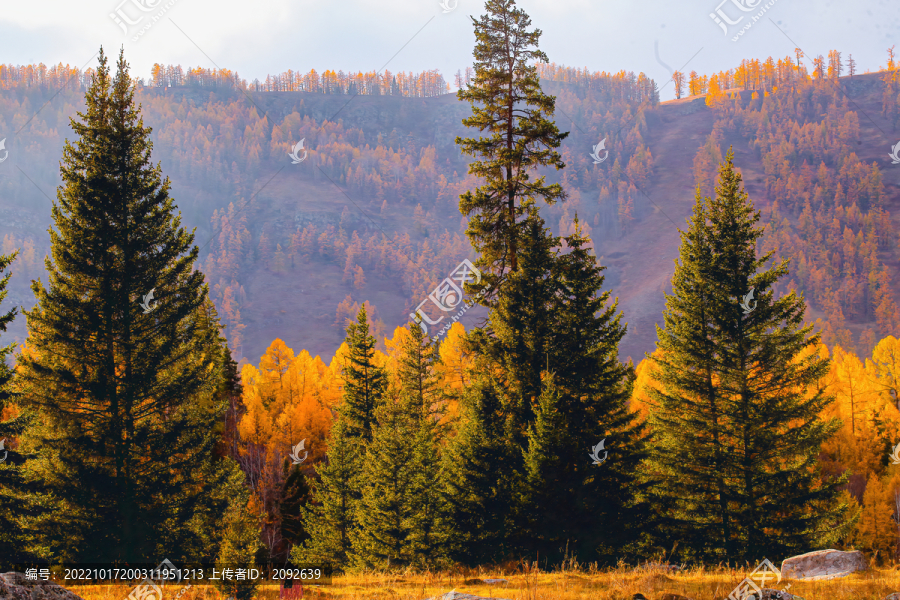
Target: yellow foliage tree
column 885, row 367
column 876, row 531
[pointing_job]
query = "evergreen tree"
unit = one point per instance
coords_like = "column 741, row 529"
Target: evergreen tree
column 736, row 424
column 422, row 390
column 595, row 511
column 506, row 99
column 331, row 519
column 402, row 511
column 480, row 480
column 516, row 341
column 240, row 549
column 295, row 493
column 364, row 381
column 15, row 495
column 384, row 512
column 127, row 396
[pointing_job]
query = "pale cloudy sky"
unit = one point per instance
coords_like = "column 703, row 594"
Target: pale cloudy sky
column 261, row 37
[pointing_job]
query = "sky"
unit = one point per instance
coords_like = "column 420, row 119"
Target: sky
column 265, row 37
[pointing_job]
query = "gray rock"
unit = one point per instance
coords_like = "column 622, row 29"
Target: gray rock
column 14, row 586
column 823, row 564
column 894, row 596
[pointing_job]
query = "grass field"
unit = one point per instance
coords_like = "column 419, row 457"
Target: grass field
column 533, row 584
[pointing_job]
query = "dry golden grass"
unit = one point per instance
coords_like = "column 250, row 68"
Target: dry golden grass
column 534, row 584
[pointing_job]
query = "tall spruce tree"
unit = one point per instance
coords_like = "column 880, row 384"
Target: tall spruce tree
column 330, row 520
column 364, row 381
column 126, row 395
column 402, row 513
column 736, row 424
column 507, row 101
column 295, row 492
column 422, row 391
column 516, row 341
column 595, row 512
column 480, row 482
column 14, row 494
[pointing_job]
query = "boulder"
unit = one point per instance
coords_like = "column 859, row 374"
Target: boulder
column 823, row 564
column 14, row 586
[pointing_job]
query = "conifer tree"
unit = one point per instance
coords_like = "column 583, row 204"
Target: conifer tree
column 126, row 395
column 401, row 514
column 14, row 495
column 506, row 100
column 385, row 509
column 364, row 381
column 295, row 493
column 240, row 549
column 736, row 424
column 516, row 341
column 480, row 478
column 330, row 520
column 595, row 511
column 422, row 392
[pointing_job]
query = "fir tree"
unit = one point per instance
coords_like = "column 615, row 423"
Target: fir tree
column 402, row 513
column 507, row 100
column 515, row 344
column 595, row 510
column 480, row 480
column 737, row 430
column 364, row 381
column 126, row 395
column 331, row 519
column 385, row 509
column 422, row 393
column 240, row 549
column 295, row 493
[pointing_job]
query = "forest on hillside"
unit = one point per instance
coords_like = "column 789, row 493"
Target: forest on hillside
column 751, row 430
column 403, row 226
